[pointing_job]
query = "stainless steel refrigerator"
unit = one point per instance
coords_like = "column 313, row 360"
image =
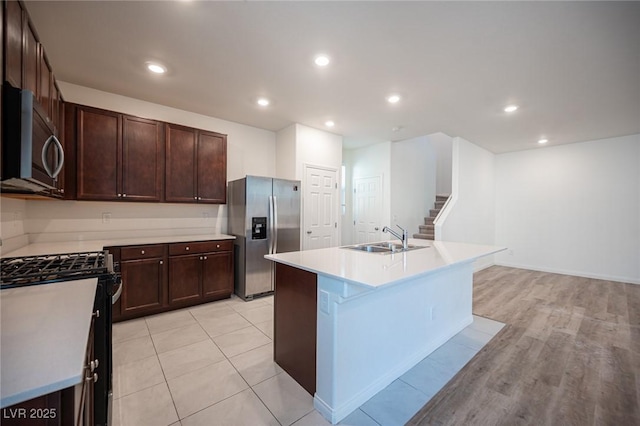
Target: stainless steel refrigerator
column 264, row 216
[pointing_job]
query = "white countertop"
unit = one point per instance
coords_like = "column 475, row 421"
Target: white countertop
column 375, row 270
column 95, row 245
column 43, row 338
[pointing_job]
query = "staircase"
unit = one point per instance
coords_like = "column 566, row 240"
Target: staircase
column 427, row 231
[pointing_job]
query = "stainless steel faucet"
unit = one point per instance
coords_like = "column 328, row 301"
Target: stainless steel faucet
column 404, row 237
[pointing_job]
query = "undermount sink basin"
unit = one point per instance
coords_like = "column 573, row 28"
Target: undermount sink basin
column 383, row 248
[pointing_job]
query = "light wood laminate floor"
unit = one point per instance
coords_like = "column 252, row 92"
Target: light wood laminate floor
column 569, row 354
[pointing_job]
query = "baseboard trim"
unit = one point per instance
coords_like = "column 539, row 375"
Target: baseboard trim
column 626, row 280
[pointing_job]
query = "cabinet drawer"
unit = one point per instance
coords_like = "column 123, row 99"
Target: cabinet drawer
column 142, row 252
column 177, row 249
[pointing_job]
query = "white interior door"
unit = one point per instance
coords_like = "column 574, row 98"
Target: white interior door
column 368, row 209
column 320, row 207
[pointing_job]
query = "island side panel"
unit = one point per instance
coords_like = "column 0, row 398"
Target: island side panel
column 294, row 326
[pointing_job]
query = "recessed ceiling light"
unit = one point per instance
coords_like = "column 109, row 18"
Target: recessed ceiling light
column 393, row 99
column 322, row 60
column 156, row 68
column 263, row 102
column 510, row 108
column 329, row 123
column 543, row 141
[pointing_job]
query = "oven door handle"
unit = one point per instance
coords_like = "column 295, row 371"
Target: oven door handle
column 116, row 296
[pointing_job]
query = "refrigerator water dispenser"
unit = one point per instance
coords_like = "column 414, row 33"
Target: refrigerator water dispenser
column 258, row 228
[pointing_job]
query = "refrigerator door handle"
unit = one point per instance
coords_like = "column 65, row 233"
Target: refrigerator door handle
column 270, row 230
column 275, row 224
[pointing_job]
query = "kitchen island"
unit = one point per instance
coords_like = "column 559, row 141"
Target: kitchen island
column 349, row 322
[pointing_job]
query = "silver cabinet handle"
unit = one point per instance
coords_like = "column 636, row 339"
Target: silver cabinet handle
column 217, row 245
column 93, row 378
column 54, row 174
column 119, row 195
column 124, row 195
column 205, row 258
column 162, row 262
column 187, row 248
column 199, row 198
column 195, row 198
column 141, row 251
column 93, row 365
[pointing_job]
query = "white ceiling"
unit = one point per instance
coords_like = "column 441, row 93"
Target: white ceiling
column 572, row 67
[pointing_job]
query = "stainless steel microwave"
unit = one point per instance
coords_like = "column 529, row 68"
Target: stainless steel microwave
column 32, row 155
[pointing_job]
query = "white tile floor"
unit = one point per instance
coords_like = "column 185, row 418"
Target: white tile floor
column 212, row 365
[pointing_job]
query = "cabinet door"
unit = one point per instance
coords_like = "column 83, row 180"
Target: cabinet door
column 31, row 59
column 180, row 183
column 56, row 108
column 45, row 82
column 13, row 43
column 184, row 279
column 142, row 155
column 98, row 146
column 212, row 168
column 217, row 275
column 143, row 282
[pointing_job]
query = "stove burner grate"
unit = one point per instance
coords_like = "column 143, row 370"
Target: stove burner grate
column 32, row 270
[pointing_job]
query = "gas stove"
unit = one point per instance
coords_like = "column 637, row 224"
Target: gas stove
column 51, row 268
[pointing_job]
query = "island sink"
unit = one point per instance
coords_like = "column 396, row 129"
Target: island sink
column 383, row 248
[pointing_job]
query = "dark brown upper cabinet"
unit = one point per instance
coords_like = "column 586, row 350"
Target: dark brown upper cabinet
column 98, row 142
column 196, row 165
column 119, row 157
column 26, row 65
column 13, row 43
column 142, row 159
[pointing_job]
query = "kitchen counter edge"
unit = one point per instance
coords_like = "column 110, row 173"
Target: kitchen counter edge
column 35, row 249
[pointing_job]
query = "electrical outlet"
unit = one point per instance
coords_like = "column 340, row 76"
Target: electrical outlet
column 106, row 217
column 324, row 301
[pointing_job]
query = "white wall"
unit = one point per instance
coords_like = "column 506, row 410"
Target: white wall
column 249, row 151
column 413, row 182
column 572, row 209
column 286, row 163
column 470, row 216
column 443, row 146
column 12, row 224
column 318, row 148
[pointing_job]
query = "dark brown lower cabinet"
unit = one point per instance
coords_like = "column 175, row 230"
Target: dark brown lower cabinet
column 217, row 281
column 144, row 280
column 205, row 274
column 185, row 276
column 162, row 277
